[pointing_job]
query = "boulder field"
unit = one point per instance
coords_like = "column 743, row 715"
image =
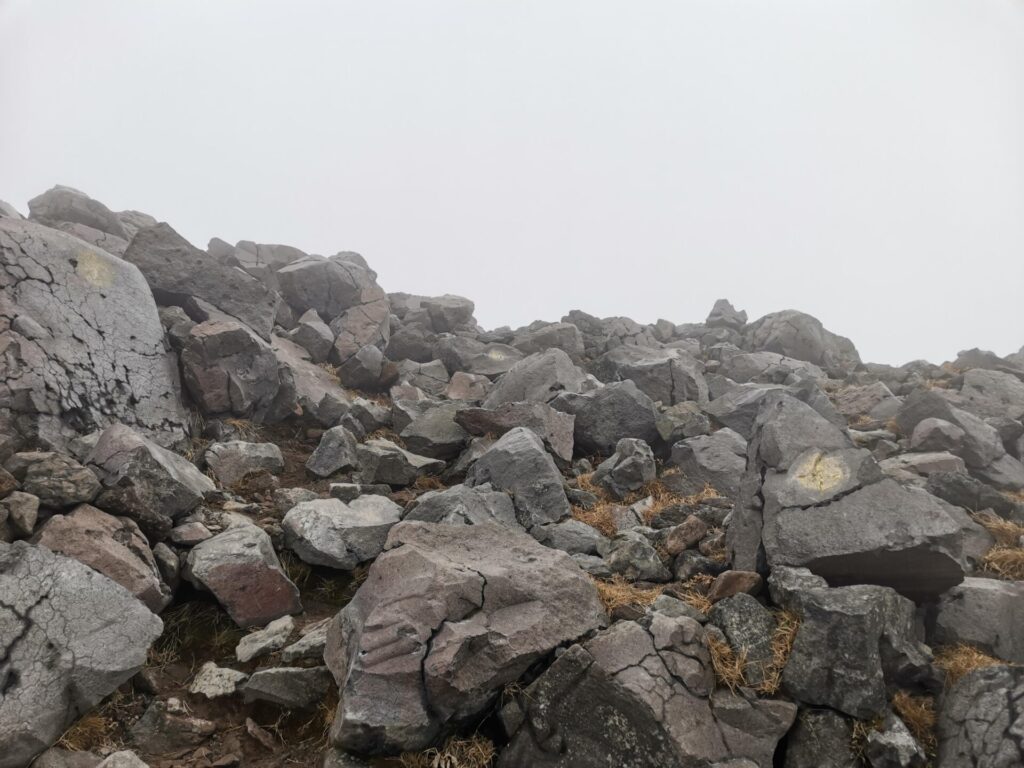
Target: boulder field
column 257, row 511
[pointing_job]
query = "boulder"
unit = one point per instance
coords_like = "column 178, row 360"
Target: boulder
column 980, row 720
column 233, row 460
column 459, row 353
column 971, row 494
column 214, row 682
column 82, row 345
column 272, row 637
column 178, row 273
column 868, row 406
column 992, row 394
column 464, row 505
column 517, row 463
column 71, row 637
column 469, row 387
column 724, row 315
column 667, row 376
column 980, row 444
column 893, row 746
column 447, row 616
column 609, row 414
column 717, row 460
column 799, row 335
column 985, row 613
column 314, row 335
column 382, row 461
column 19, row 512
column 555, row 428
column 64, row 205
column 167, row 727
column 630, row 469
column 762, row 367
column 449, row 313
column 749, row 628
column 630, row 554
column 308, row 389
column 537, row 379
column 114, row 546
column 241, row 569
column 331, row 533
column 821, row 738
column 147, row 483
column 563, row 336
column 650, row 684
column 336, row 451
column 57, row 480
column 430, row 377
column 435, row 433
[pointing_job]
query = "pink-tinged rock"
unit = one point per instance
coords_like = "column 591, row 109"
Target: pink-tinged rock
column 733, row 582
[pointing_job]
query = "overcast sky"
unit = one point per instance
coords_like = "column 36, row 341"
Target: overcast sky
column 861, row 160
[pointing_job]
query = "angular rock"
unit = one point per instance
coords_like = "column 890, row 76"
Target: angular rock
column 272, row 637
column 606, row 416
column 58, row 481
column 288, row 687
column 724, row 315
column 430, row 377
column 145, row 482
column 449, row 313
column 563, row 336
column 313, row 335
column 19, row 512
column 166, row 727
column 628, row 470
column 651, row 685
column 71, row 636
column 992, row 393
column 178, row 272
column 436, row 432
column 114, row 546
column 536, row 379
column 82, row 345
column 922, row 464
column 384, row 462
column 980, row 720
column 468, row 387
column 517, row 463
column 64, row 205
column 233, row 460
column 867, row 407
column 572, row 536
column 980, row 444
column 463, row 505
column 336, row 451
column 214, row 682
column 749, row 627
column 308, row 388
column 667, row 376
column 821, row 738
column 331, row 533
column 241, row 569
column 717, row 460
column 461, row 612
column 985, row 613
column 459, row 353
column 631, row 555
column 125, row 758
column 554, row 427
column 796, row 334
column 893, row 746
column 310, row 645
column 971, row 494
column 936, row 435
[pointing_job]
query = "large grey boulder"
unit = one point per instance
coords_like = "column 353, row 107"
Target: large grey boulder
column 981, row 721
column 241, row 569
column 517, row 463
column 178, row 273
column 640, row 694
column 436, row 432
column 229, row 370
column 852, row 642
column 609, row 414
column 70, row 637
column 980, row 444
column 81, row 344
column 447, row 616
column 763, row 367
column 314, row 335
column 868, row 406
column 667, row 376
column 233, row 460
column 718, row 460
column 992, row 394
column 331, row 533
column 309, row 390
column 381, row 461
column 724, row 315
column 65, row 205
column 114, row 546
column 464, row 505
column 796, row 334
column 57, row 480
column 147, row 483
column 563, row 336
column 449, row 313
column 986, row 613
column 537, row 379
column 554, row 427
column 460, row 353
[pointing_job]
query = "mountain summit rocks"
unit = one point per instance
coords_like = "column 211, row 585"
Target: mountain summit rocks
column 583, row 542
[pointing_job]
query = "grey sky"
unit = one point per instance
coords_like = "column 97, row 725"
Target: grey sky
column 859, row 160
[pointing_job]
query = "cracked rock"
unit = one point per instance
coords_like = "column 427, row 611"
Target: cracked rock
column 334, row 534
column 553, row 427
column 447, row 616
column 69, row 636
column 463, row 505
column 981, row 720
column 607, row 415
column 536, row 379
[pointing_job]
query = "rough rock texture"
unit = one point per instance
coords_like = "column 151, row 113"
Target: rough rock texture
column 628, row 470
column 981, row 721
column 803, row 337
column 667, row 376
column 178, row 272
column 985, row 613
column 446, row 617
column 536, row 379
column 70, row 637
column 463, row 505
column 606, row 416
column 241, row 569
column 337, row 535
column 233, row 460
column 718, row 460
column 553, row 427
column 81, row 344
column 650, row 685
column 384, row 462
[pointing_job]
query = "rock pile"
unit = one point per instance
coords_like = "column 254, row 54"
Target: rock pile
column 256, row 511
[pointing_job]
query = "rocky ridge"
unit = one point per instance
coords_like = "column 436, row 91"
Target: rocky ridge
column 257, row 511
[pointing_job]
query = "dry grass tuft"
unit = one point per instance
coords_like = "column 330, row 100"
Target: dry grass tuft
column 473, row 752
column 428, row 483
column 729, row 666
column 694, row 591
column 787, row 624
column 386, row 434
column 297, row 571
column 245, row 430
column 1015, row 496
column 958, row 660
column 1006, row 558
column 618, row 593
column 893, row 426
column 1005, row 532
column 861, row 730
column 918, row 714
column 194, row 631
column 599, row 517
column 95, row 730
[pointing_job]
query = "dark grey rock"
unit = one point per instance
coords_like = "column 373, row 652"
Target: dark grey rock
column 536, row 379
column 233, row 460
column 336, row 451
column 381, row 461
column 463, row 505
column 980, row 720
column 609, row 414
column 554, row 427
column 288, row 687
column 985, row 613
column 628, row 470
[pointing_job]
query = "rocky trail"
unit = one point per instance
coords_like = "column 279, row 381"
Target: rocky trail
column 256, row 511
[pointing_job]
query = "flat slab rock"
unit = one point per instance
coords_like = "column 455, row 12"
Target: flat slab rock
column 447, row 616
column 70, row 636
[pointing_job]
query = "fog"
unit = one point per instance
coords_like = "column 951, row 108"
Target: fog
column 859, row 160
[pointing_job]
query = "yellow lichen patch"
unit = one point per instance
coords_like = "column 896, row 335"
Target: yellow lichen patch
column 821, row 473
column 94, row 269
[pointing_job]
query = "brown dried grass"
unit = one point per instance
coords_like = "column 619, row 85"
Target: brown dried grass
column 473, row 752
column 729, row 666
column 918, row 714
column 961, row 659
column 618, row 593
column 861, row 730
column 1006, row 559
column 694, row 591
column 787, row 624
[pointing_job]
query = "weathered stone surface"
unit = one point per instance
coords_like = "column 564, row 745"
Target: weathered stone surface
column 893, row 746
column 628, row 470
column 563, row 336
column 651, row 685
column 852, row 641
column 18, row 513
column 114, row 546
column 724, row 315
column 922, row 464
column 869, row 406
column 555, row 428
column 749, row 627
column 717, row 460
column 288, row 687
column 763, row 367
column 630, row 554
column 71, row 636
column 306, row 388
column 336, row 451
column 272, row 637
column 81, row 344
column 177, row 271
column 570, row 536
column 233, row 460
column 435, row 432
column 241, row 569
column 992, row 393
column 733, row 582
column 459, row 353
column 431, row 377
column 145, row 482
column 971, row 494
column 449, row 313
column 681, row 421
column 667, row 376
column 57, row 480
column 985, row 613
column 447, row 616
column 384, row 462
column 124, row 758
column 537, row 379
column 310, row 645
column 821, row 738
column 606, row 416
column 65, row 205
column 337, row 535
column 980, row 720
column 469, row 387
column 313, row 334
column 213, row 682
column 980, row 444
column 517, row 463
column 463, row 505
column 167, row 727
column 229, row 370
column 799, row 335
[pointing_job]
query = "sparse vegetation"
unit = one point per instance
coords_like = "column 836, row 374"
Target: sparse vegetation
column 861, row 730
column 918, row 714
column 1006, row 559
column 787, row 624
column 473, row 752
column 958, row 660
column 618, row 592
column 694, row 591
column 729, row 666
column 195, row 631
